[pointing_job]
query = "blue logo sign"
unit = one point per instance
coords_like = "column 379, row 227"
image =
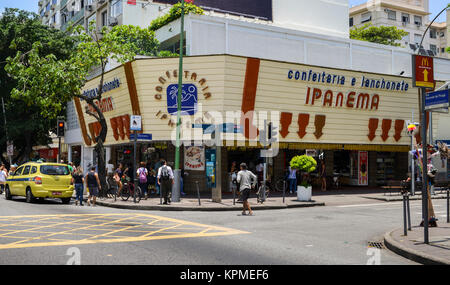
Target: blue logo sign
column 189, row 99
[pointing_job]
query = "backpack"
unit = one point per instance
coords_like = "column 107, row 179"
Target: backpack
column 142, row 176
column 165, row 173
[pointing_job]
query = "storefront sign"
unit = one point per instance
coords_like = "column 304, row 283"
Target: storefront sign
column 108, row 86
column 194, row 158
column 423, row 72
column 363, row 169
column 193, row 84
column 105, row 105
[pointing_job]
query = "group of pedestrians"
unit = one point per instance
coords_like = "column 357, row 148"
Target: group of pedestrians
column 4, row 174
column 91, row 181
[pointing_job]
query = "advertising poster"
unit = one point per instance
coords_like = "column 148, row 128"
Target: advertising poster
column 363, row 172
column 194, row 158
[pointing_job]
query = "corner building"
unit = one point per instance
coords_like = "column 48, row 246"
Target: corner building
column 357, row 119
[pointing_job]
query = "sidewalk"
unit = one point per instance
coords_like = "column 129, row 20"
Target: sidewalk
column 191, row 203
column 437, row 252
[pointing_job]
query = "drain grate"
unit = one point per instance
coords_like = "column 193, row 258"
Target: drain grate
column 376, row 244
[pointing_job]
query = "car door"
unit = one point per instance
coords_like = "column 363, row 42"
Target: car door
column 24, row 180
column 15, row 183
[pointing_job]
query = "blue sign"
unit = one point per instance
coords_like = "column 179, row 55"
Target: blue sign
column 144, row 137
column 224, row 128
column 438, row 99
column 189, row 99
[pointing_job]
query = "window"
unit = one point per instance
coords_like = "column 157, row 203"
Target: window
column 418, row 20
column 82, row 4
column 392, row 15
column 442, row 50
column 33, row 170
column 405, row 18
column 417, row 38
column 54, row 170
column 104, row 18
column 433, row 34
column 366, row 17
column 26, row 171
column 18, row 171
column 351, row 22
column 116, row 8
column 434, row 49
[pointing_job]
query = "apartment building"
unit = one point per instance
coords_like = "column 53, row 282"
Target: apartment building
column 411, row 16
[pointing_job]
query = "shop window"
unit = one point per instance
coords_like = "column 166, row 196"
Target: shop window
column 385, row 167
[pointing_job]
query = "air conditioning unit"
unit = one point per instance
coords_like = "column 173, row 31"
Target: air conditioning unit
column 89, row 8
column 112, row 21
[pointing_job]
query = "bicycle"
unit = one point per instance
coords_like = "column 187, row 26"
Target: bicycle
column 129, row 190
column 113, row 188
column 263, row 193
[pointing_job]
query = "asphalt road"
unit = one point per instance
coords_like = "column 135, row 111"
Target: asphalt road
column 29, row 234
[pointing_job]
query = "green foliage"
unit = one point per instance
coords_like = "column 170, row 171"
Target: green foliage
column 303, row 163
column 173, row 14
column 166, row 53
column 26, row 124
column 381, row 35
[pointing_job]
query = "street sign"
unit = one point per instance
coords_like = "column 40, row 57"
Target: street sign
column 224, row 128
column 423, row 72
column 10, row 149
column 135, row 123
column 437, row 100
column 142, row 137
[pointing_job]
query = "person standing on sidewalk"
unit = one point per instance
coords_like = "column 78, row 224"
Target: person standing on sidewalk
column 165, row 181
column 93, row 185
column 3, row 176
column 142, row 174
column 78, row 181
column 247, row 180
column 292, row 179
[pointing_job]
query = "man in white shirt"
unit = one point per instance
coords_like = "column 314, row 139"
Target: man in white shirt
column 247, row 181
column 165, row 181
column 3, row 176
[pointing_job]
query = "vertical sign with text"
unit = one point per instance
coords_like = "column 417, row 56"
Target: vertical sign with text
column 423, row 71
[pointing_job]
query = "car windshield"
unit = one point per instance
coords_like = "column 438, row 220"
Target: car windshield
column 54, row 170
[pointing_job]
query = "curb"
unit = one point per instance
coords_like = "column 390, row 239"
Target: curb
column 202, row 208
column 412, row 254
column 399, row 199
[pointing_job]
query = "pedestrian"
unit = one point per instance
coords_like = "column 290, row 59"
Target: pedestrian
column 12, row 169
column 322, row 173
column 292, row 179
column 183, row 174
column 71, row 167
column 165, row 181
column 260, row 173
column 78, row 181
column 3, row 177
column 157, row 166
column 119, row 169
column 93, row 185
column 247, row 181
column 117, row 179
column 142, row 174
column 109, row 169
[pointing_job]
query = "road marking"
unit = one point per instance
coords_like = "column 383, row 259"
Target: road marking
column 63, row 230
column 369, row 205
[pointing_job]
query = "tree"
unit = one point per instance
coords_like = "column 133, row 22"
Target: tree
column 26, row 125
column 380, row 35
column 50, row 83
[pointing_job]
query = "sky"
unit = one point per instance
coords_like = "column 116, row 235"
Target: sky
column 32, row 5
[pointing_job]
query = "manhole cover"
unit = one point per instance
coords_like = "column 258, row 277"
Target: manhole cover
column 376, row 244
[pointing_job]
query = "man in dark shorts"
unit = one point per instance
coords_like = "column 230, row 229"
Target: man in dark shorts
column 93, row 184
column 247, row 180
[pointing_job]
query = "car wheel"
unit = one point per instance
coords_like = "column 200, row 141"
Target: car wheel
column 65, row 200
column 30, row 197
column 8, row 195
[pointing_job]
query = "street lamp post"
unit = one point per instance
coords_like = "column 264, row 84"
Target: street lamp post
column 177, row 172
column 425, row 208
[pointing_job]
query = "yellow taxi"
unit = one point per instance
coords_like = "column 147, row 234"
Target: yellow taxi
column 40, row 180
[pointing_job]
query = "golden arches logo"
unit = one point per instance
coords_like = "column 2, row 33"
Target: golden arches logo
column 425, row 61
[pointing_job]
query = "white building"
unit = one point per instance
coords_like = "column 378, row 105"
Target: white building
column 320, row 39
column 411, row 16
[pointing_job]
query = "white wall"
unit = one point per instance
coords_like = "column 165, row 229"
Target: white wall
column 329, row 17
column 208, row 35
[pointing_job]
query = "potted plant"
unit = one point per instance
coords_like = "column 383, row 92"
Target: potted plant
column 305, row 164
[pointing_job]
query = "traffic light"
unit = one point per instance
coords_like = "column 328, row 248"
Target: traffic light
column 60, row 129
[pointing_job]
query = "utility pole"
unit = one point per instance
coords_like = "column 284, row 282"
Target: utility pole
column 177, row 172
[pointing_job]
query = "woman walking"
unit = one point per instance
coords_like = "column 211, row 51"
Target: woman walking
column 78, row 181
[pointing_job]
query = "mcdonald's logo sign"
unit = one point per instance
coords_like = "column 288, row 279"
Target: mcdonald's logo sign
column 423, row 72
